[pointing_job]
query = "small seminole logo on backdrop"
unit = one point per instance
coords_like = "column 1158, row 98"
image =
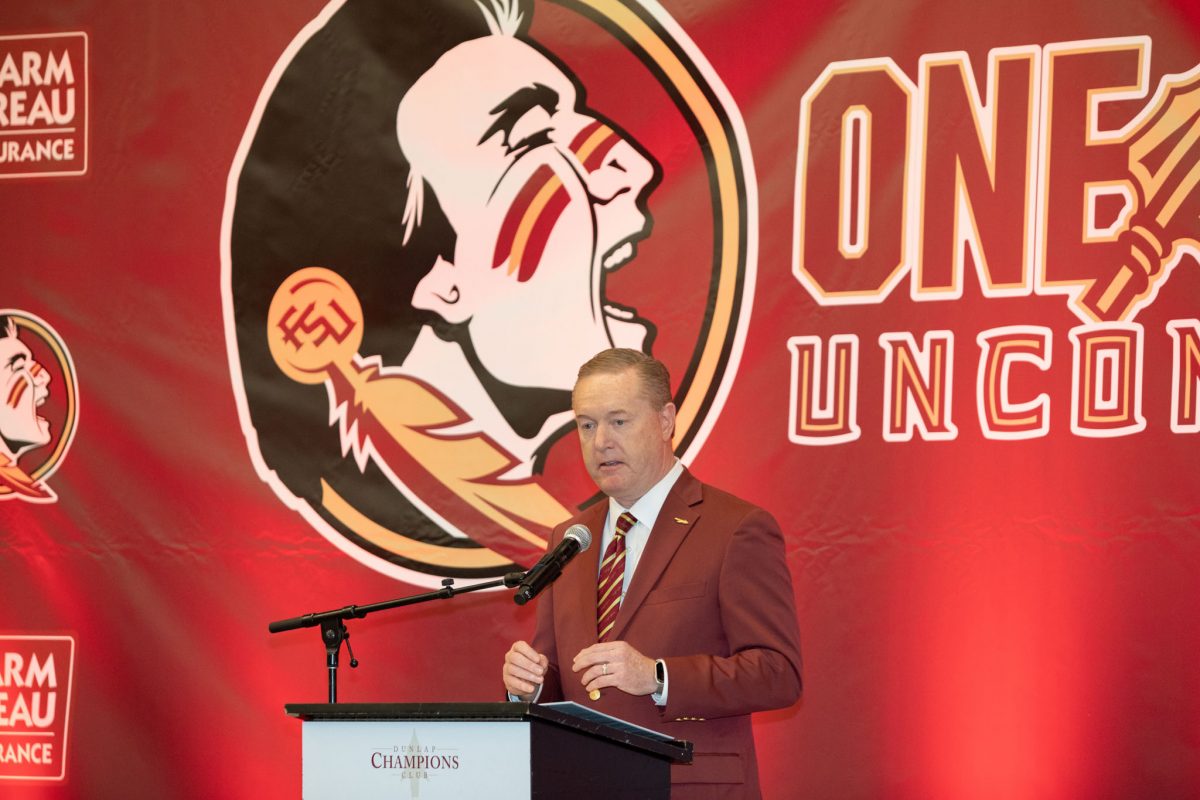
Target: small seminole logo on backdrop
column 43, row 105
column 1023, row 182
column 35, row 706
column 415, row 265
column 39, row 406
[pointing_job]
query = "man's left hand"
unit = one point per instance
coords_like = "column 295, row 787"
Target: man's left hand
column 615, row 664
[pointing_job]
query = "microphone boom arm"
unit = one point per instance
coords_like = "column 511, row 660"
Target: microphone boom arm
column 333, row 623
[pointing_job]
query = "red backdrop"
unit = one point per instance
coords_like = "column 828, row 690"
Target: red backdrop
column 981, row 616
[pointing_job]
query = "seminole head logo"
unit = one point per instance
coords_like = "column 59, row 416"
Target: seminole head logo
column 438, row 212
column 38, row 406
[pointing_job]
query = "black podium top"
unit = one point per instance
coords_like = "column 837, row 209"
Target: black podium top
column 675, row 750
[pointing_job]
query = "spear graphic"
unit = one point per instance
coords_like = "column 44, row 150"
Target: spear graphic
column 1164, row 159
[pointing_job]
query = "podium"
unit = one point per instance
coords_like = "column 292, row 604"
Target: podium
column 464, row 750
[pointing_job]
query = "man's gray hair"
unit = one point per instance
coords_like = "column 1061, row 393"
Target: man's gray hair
column 654, row 378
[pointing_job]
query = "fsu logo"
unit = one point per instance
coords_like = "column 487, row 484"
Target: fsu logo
column 38, row 406
column 438, row 212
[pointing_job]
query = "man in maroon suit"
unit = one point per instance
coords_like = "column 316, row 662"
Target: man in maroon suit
column 682, row 619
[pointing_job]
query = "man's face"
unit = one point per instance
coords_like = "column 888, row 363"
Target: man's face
column 23, row 384
column 626, row 441
column 544, row 199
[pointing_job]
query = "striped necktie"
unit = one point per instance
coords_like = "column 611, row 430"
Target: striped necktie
column 612, row 577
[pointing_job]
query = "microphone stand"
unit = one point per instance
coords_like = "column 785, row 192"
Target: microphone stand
column 333, row 623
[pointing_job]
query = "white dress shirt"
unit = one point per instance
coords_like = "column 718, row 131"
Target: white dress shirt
column 645, row 511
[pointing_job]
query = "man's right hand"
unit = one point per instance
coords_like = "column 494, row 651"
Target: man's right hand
column 524, row 670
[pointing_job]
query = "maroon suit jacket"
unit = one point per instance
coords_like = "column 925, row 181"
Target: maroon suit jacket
column 712, row 597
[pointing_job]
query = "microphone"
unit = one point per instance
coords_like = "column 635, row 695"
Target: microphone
column 577, row 539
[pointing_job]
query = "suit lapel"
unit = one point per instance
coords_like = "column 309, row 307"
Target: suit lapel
column 679, row 513
column 578, row 602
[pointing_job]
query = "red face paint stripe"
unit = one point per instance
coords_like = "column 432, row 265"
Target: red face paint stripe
column 596, row 158
column 18, row 391
column 531, row 256
column 516, row 213
column 591, row 145
column 585, row 134
column 599, row 139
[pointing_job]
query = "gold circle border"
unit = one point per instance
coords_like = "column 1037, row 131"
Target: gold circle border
column 67, row 369
column 725, row 165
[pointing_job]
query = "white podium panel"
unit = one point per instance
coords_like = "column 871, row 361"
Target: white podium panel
column 415, row 759
column 465, row 751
